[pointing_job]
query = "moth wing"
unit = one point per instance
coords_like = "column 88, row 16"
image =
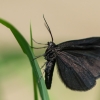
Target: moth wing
column 87, row 51
column 90, row 59
column 73, row 72
column 92, row 41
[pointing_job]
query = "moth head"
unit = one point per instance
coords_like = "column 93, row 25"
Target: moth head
column 51, row 44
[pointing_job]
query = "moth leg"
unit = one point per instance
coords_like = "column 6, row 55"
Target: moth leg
column 43, row 72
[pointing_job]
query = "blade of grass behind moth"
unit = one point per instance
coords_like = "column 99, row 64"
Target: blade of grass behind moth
column 27, row 50
column 34, row 80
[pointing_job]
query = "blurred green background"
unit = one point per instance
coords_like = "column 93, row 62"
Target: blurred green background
column 70, row 19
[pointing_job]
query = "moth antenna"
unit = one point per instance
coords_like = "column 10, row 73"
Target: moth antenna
column 47, row 26
column 38, row 42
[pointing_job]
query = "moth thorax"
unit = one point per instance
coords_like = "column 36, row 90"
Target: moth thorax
column 50, row 56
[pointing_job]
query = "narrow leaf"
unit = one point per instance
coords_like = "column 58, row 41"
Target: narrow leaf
column 27, row 50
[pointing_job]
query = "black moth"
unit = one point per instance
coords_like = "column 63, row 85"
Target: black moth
column 78, row 62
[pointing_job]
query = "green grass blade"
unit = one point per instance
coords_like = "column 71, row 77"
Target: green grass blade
column 27, row 50
column 34, row 80
column 31, row 35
